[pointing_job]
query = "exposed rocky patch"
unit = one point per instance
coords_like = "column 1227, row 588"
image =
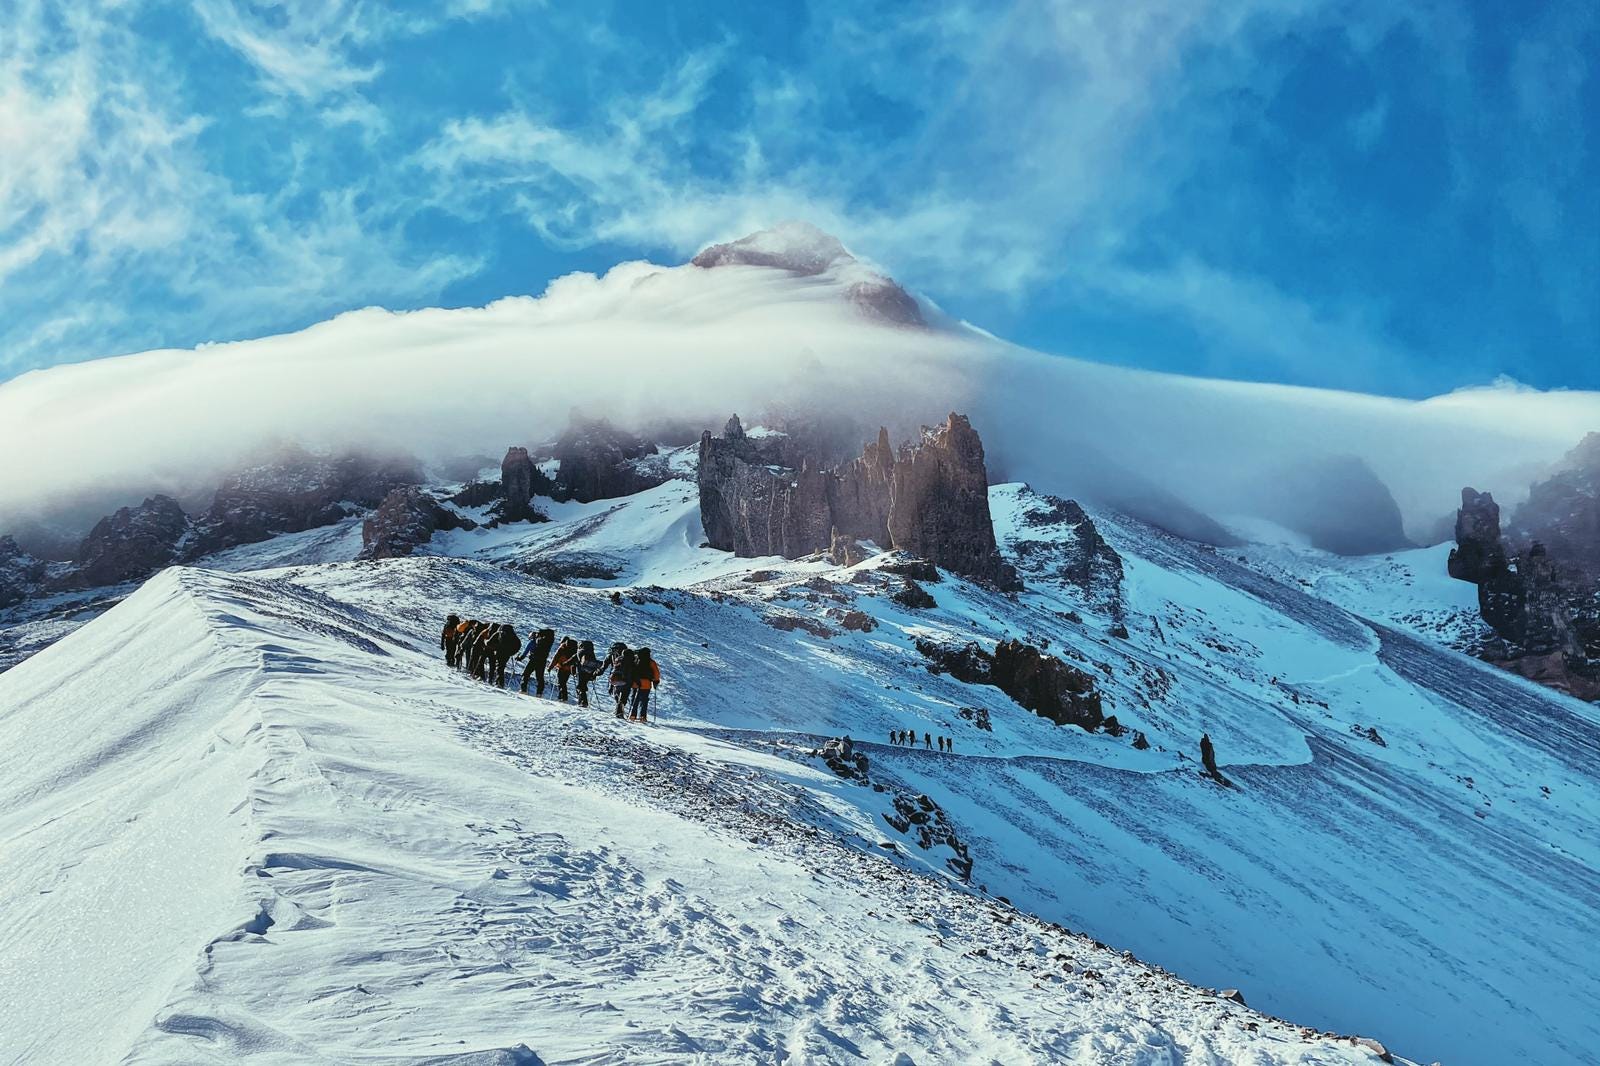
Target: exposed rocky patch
column 598, row 461
column 131, row 544
column 1056, row 542
column 1046, row 686
column 407, row 519
column 1539, row 582
column 296, row 491
column 913, row 595
column 516, row 484
column 931, row 500
column 20, row 573
column 1041, row 683
column 923, row 819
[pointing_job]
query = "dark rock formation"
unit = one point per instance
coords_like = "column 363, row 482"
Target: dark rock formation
column 939, row 506
column 912, row 595
column 296, row 491
column 516, row 485
column 407, row 519
column 20, row 573
column 931, row 500
column 844, row 550
column 968, row 662
column 1562, row 512
column 1042, row 683
column 479, row 494
column 601, row 462
column 921, row 816
column 978, row 716
column 842, row 758
column 1479, row 552
column 1046, row 686
column 131, row 544
column 1338, row 502
column 1056, row 542
column 1539, row 583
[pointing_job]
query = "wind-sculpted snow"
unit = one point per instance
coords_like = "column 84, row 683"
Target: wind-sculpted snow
column 257, row 819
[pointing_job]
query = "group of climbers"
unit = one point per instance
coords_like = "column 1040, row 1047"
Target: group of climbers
column 483, row 649
column 908, row 738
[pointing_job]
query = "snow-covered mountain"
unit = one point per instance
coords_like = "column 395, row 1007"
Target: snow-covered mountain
column 248, row 813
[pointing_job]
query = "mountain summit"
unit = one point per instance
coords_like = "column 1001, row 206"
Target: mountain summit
column 804, row 250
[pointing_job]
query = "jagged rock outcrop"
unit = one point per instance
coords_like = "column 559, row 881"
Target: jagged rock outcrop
column 1543, row 604
column 598, row 461
column 931, row 500
column 844, row 550
column 841, row 756
column 1042, row 683
column 1479, row 552
column 1046, row 686
column 1055, row 541
column 479, row 494
column 939, row 504
column 921, row 817
column 407, row 519
column 296, row 491
column 516, row 485
column 1338, row 502
column 20, row 573
column 131, row 544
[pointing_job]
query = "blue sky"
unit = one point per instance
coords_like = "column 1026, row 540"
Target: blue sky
column 1390, row 197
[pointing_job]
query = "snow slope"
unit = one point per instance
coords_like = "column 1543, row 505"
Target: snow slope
column 1411, row 852
column 246, row 820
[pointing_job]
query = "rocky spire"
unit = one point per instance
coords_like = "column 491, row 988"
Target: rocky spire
column 516, row 480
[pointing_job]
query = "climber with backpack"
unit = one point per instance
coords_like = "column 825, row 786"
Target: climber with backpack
column 506, row 644
column 537, row 653
column 566, row 657
column 587, row 668
column 447, row 639
column 646, row 676
column 619, row 661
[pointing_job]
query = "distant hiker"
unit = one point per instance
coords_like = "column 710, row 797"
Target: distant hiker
column 618, row 661
column 941, row 743
column 616, row 599
column 447, row 639
column 537, row 653
column 950, row 744
column 646, row 676
column 563, row 662
column 911, row 738
column 506, row 644
column 927, row 740
column 464, row 633
column 588, row 668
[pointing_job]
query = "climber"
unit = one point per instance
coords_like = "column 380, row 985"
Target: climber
column 475, row 649
column 447, row 639
column 464, row 633
column 562, row 662
column 927, row 740
column 646, row 676
column 537, row 653
column 587, row 668
column 617, row 661
column 506, row 644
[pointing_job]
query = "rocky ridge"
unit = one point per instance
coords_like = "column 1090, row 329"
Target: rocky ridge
column 930, row 499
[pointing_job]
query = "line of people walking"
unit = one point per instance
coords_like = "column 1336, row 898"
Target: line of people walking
column 908, row 738
column 484, row 650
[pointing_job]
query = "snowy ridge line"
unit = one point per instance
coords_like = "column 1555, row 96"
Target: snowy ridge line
column 337, row 876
